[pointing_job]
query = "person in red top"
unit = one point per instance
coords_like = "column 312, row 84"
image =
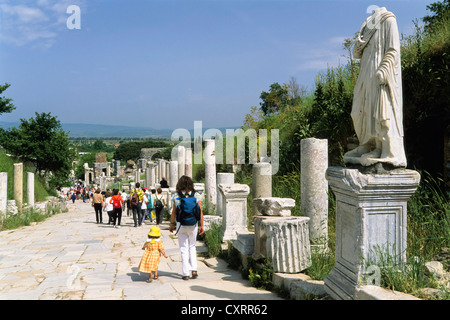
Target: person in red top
column 117, row 201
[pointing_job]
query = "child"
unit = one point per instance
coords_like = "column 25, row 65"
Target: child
column 153, row 249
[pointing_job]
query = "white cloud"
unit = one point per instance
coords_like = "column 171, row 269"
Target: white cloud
column 34, row 23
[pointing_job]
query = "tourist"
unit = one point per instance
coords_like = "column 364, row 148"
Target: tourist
column 164, row 183
column 136, row 197
column 144, row 205
column 124, row 197
column 153, row 247
column 117, row 201
column 109, row 207
column 150, row 206
column 97, row 203
column 187, row 234
column 159, row 204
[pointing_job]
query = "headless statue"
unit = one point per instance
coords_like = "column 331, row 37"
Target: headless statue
column 377, row 103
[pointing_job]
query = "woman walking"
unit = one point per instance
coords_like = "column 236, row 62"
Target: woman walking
column 97, row 203
column 187, row 211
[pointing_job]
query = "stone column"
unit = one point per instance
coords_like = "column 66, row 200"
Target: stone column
column 18, row 185
column 188, row 162
column 162, row 169
column 181, row 161
column 235, row 210
column 167, row 164
column 210, row 171
column 261, row 182
column 3, row 192
column 148, row 177
column 314, row 189
column 152, row 174
column 287, row 243
column 173, row 180
column 137, row 175
column 225, row 179
column 370, row 220
column 30, row 188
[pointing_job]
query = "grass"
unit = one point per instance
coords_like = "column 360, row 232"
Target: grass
column 14, row 221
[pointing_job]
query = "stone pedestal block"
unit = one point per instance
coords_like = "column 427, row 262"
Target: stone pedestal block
column 287, row 243
column 235, row 210
column 274, row 206
column 222, row 178
column 314, row 188
column 245, row 243
column 370, row 219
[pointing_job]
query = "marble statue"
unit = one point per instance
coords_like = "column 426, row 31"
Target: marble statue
column 377, row 104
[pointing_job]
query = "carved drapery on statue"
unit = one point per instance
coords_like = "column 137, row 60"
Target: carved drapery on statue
column 377, row 104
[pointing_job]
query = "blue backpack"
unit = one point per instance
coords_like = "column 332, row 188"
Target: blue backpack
column 188, row 212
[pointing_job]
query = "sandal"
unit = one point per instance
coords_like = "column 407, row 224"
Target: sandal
column 155, row 277
column 185, row 278
column 194, row 275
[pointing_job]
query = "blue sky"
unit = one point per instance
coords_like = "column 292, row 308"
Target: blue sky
column 166, row 63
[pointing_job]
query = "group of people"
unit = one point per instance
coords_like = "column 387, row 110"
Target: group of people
column 187, row 220
column 77, row 192
column 143, row 203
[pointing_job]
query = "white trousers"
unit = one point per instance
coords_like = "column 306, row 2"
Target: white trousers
column 187, row 237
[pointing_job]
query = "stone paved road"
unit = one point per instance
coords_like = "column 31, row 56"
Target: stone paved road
column 69, row 256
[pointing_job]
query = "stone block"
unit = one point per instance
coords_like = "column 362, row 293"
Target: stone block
column 245, row 243
column 287, row 243
column 370, row 219
column 234, row 199
column 274, row 206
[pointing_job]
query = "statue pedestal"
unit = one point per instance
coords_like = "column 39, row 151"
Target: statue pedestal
column 370, row 218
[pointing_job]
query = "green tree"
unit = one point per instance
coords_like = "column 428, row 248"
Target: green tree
column 6, row 105
column 42, row 141
column 274, row 100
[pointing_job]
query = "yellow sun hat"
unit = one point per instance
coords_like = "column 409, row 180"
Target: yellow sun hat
column 154, row 232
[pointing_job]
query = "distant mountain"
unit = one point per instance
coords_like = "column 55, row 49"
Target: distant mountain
column 77, row 130
column 102, row 131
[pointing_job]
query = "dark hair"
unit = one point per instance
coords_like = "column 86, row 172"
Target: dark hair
column 159, row 190
column 108, row 193
column 137, row 184
column 185, row 183
column 98, row 190
column 153, row 191
column 116, row 192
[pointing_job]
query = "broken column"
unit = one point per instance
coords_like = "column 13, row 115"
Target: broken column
column 281, row 238
column 18, row 185
column 225, row 179
column 30, row 188
column 173, row 178
column 261, row 181
column 181, row 161
column 210, row 171
column 371, row 220
column 314, row 189
column 188, row 162
column 3, row 193
column 234, row 199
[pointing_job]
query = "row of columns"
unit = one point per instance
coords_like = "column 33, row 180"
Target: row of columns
column 18, row 188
